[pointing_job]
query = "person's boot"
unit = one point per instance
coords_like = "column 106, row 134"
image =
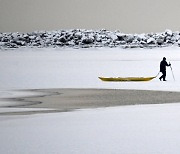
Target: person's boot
column 164, row 79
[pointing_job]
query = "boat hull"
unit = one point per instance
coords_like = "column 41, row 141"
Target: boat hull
column 126, row 79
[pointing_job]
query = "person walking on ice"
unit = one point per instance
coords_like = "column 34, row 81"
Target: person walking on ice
column 163, row 65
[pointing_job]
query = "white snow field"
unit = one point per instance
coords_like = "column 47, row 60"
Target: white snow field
column 136, row 129
column 71, row 68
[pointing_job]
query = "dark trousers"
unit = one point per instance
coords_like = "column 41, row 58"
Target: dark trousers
column 163, row 76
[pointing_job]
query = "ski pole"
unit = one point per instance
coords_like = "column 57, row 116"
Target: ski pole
column 172, row 72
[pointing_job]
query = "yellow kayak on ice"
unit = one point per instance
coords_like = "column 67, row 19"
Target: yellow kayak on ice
column 120, row 79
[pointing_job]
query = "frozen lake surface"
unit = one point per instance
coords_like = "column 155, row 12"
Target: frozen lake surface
column 126, row 129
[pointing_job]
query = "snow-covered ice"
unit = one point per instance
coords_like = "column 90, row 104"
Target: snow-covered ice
column 70, row 68
column 127, row 129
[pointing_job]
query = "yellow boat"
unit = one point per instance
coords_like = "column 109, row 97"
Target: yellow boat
column 120, row 79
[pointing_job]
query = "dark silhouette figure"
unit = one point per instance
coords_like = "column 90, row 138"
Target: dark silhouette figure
column 163, row 65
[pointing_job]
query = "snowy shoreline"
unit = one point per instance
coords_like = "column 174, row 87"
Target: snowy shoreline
column 81, row 38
